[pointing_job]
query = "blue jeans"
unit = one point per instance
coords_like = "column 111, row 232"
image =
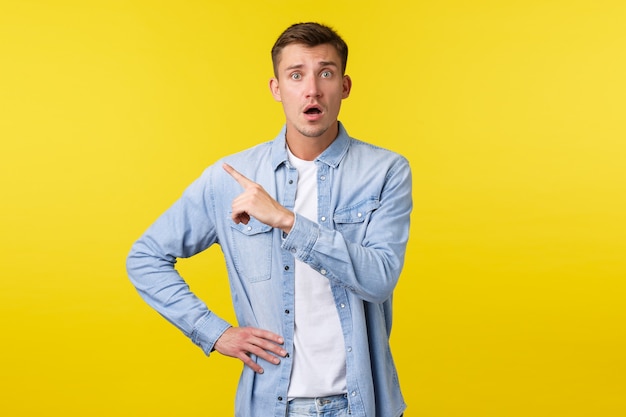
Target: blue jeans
column 334, row 406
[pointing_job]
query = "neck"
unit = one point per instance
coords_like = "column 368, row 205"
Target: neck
column 309, row 148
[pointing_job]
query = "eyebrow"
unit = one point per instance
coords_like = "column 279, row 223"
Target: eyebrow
column 321, row 63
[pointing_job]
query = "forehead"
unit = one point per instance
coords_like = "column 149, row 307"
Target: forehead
column 297, row 54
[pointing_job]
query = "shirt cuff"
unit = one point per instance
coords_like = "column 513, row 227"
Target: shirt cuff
column 302, row 237
column 208, row 331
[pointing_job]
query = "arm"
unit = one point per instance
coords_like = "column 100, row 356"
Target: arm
column 371, row 266
column 184, row 230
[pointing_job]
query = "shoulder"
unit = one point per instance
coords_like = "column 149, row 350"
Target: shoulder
column 242, row 159
column 371, row 155
column 249, row 155
column 249, row 162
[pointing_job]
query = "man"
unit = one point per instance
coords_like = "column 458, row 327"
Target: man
column 313, row 226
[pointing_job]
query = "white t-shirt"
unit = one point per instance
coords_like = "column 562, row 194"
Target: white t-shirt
column 319, row 358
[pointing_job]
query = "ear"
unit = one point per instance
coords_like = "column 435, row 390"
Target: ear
column 275, row 89
column 347, row 86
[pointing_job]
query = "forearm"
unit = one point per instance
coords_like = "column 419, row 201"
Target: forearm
column 365, row 249
column 162, row 287
column 371, row 272
column 182, row 231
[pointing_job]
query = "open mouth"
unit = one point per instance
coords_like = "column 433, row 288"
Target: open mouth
column 313, row 110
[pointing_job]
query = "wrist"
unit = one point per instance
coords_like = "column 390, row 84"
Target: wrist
column 287, row 222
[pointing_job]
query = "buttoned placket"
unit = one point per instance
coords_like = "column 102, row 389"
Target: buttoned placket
column 287, row 198
column 324, row 188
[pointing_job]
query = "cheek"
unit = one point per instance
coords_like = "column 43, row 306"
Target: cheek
column 290, row 105
column 290, row 102
column 336, row 102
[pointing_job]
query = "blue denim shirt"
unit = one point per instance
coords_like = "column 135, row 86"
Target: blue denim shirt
column 358, row 243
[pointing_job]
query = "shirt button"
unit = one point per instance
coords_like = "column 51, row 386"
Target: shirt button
column 286, row 267
column 353, row 393
column 249, row 228
column 280, row 398
column 293, row 250
column 290, row 181
column 286, row 311
column 359, row 214
column 323, row 219
column 349, row 349
column 323, row 177
column 323, row 271
column 342, row 305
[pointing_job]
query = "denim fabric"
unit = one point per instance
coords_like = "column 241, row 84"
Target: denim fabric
column 358, row 243
column 335, row 406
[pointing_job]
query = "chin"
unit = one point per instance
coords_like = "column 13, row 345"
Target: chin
column 313, row 132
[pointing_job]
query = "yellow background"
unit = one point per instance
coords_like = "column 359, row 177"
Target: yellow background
column 511, row 113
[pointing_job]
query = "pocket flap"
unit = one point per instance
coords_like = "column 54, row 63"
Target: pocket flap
column 356, row 213
column 254, row 227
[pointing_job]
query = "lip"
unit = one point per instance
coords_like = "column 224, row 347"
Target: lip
column 313, row 116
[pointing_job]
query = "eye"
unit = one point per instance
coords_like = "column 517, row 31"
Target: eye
column 326, row 74
column 296, row 76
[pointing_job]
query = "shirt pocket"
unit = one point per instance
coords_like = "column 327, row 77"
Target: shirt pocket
column 352, row 220
column 252, row 245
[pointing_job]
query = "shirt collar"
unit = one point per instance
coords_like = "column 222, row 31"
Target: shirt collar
column 331, row 156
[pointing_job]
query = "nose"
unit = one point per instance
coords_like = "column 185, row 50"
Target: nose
column 313, row 88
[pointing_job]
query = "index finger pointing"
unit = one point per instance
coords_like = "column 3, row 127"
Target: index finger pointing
column 242, row 180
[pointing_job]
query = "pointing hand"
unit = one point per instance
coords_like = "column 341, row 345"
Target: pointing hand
column 256, row 202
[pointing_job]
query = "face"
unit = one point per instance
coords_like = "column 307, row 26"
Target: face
column 310, row 86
